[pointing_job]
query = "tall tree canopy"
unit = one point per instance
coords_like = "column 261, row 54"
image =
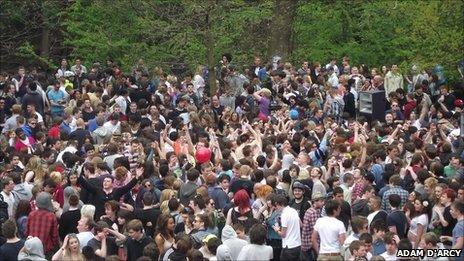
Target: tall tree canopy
column 167, row 32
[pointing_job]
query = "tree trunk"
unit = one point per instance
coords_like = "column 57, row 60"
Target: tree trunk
column 45, row 34
column 210, row 51
column 45, row 41
column 281, row 28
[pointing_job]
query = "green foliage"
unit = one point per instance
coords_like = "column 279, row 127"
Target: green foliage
column 382, row 32
column 165, row 32
column 26, row 51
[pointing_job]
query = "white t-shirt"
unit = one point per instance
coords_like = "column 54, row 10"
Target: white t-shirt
column 84, row 238
column 60, row 155
column 422, row 219
column 335, row 67
column 121, row 101
column 39, row 117
column 198, row 83
column 255, row 252
column 10, row 200
column 370, row 217
column 113, row 128
column 329, row 228
column 389, row 257
column 291, row 220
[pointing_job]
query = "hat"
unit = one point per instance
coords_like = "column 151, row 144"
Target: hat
column 44, row 201
column 208, row 238
column 299, row 185
column 34, row 250
column 318, row 196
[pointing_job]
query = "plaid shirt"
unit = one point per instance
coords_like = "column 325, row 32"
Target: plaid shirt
column 394, row 190
column 43, row 224
column 357, row 191
column 309, row 220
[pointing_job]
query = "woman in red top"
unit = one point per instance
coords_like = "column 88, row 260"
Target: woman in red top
column 409, row 106
column 23, row 143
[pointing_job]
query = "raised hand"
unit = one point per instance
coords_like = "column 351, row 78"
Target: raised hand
column 65, row 241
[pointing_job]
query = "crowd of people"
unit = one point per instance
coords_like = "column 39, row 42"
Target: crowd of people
column 280, row 163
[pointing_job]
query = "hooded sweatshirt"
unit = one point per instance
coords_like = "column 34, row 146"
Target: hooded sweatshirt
column 233, row 243
column 67, row 192
column 23, row 191
column 100, row 134
column 34, row 250
column 187, row 192
column 223, row 253
column 221, row 199
column 33, row 97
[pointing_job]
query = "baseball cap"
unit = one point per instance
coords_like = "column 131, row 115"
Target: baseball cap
column 299, row 185
column 208, row 238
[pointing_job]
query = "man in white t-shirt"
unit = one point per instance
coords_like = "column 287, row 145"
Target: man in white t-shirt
column 331, row 231
column 7, row 195
column 113, row 125
column 288, row 229
column 84, row 227
column 391, row 244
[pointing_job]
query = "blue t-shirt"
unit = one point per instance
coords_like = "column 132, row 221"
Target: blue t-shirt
column 9, row 251
column 458, row 231
column 378, row 247
column 56, row 96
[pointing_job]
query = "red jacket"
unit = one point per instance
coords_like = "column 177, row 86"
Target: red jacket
column 20, row 146
column 43, row 224
column 54, row 132
column 408, row 108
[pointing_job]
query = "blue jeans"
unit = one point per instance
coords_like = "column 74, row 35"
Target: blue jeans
column 290, row 254
column 307, row 255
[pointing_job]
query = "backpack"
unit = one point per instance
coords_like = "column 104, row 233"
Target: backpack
column 360, row 208
column 246, row 223
column 3, row 210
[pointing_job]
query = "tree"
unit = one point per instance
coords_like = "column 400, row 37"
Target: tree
column 281, row 35
column 31, row 33
column 169, row 33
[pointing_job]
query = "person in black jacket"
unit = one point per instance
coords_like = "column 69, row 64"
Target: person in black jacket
column 69, row 219
column 107, row 193
column 243, row 182
column 348, row 98
column 80, row 134
column 300, row 202
column 148, row 214
column 33, row 97
column 360, row 206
